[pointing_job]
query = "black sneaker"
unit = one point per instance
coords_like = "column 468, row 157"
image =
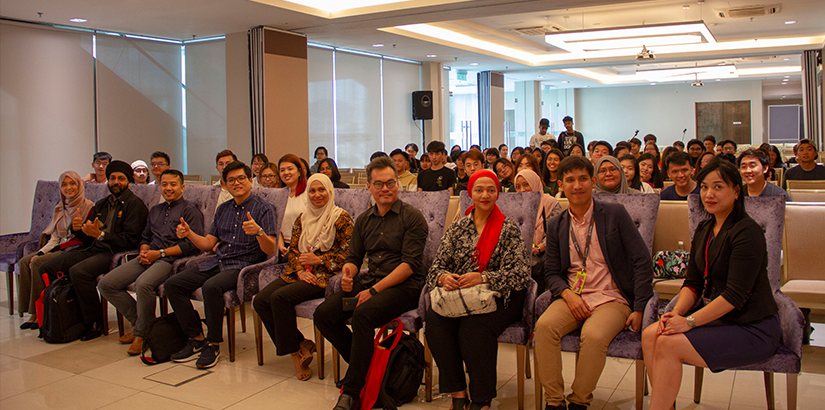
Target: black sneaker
column 559, row 407
column 574, row 406
column 92, row 332
column 209, row 356
column 189, row 351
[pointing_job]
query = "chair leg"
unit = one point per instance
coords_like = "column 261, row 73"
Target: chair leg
column 520, row 357
column 428, row 372
column 10, row 289
column 104, row 304
column 769, row 392
column 336, row 365
column 259, row 346
column 121, row 324
column 527, row 372
column 539, row 392
column 319, row 347
column 641, row 384
column 698, row 376
column 164, row 306
column 793, row 379
column 243, row 317
column 647, row 385
column 230, row 329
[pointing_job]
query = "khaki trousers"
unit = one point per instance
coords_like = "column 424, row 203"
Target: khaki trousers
column 604, row 323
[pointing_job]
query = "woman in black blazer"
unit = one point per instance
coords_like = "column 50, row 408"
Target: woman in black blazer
column 737, row 324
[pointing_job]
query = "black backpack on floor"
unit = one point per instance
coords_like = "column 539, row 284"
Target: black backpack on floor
column 405, row 369
column 164, row 337
column 62, row 320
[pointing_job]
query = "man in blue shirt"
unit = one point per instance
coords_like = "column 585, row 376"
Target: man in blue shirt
column 244, row 230
column 679, row 171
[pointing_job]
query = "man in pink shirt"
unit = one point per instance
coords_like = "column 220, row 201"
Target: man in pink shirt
column 600, row 273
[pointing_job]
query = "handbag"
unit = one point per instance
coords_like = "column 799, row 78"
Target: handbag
column 475, row 300
column 670, row 264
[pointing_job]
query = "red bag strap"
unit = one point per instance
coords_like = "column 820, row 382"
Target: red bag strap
column 398, row 328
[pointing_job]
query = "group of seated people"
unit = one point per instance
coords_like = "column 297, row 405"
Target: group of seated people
column 319, row 240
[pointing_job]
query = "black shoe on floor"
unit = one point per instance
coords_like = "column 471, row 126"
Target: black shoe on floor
column 346, row 402
column 26, row 325
column 93, row 332
column 34, row 326
column 209, row 356
column 574, row 406
column 189, row 351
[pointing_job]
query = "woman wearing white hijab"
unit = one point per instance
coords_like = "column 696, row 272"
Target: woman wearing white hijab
column 526, row 181
column 72, row 205
column 318, row 248
column 610, row 178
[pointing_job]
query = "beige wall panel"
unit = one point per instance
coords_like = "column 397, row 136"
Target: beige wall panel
column 286, row 102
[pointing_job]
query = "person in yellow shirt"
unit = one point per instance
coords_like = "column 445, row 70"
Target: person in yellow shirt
column 408, row 180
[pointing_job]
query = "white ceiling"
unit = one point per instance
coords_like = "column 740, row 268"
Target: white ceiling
column 183, row 19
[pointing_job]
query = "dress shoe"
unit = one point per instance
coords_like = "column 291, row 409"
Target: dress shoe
column 574, row 406
column 559, row 407
column 136, row 347
column 346, row 402
column 93, row 332
column 127, row 338
column 26, row 325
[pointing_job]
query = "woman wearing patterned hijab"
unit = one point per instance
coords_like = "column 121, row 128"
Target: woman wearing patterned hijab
column 319, row 245
column 610, row 178
column 72, row 205
column 483, row 247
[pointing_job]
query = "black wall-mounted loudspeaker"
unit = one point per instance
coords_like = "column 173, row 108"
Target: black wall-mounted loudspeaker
column 422, row 105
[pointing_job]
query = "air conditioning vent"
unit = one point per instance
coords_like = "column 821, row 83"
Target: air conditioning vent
column 537, row 30
column 757, row 10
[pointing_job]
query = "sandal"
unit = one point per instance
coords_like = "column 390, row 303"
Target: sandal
column 460, row 403
column 306, row 351
column 303, row 373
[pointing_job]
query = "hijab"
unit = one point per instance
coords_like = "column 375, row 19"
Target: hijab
column 488, row 239
column 318, row 224
column 548, row 203
column 621, row 188
column 69, row 208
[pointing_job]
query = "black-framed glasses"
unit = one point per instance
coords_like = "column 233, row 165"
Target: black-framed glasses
column 239, row 179
column 159, row 164
column 269, row 176
column 380, row 184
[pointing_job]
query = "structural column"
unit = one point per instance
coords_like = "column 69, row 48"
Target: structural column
column 491, row 108
column 432, row 78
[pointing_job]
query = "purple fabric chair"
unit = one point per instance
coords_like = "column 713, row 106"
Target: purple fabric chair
column 15, row 246
column 521, row 208
column 769, row 213
column 277, row 197
column 643, row 210
column 256, row 277
column 433, row 205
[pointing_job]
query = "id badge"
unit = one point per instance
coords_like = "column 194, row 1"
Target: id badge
column 578, row 284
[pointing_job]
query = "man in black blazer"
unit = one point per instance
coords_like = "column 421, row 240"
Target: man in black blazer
column 600, row 272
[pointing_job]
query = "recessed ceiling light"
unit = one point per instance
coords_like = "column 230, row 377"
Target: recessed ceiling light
column 784, row 83
column 786, row 59
column 541, row 76
column 783, row 97
column 565, row 82
column 652, row 83
column 78, row 20
column 378, row 45
column 686, row 7
column 587, row 86
column 790, row 22
column 473, row 63
column 431, row 56
column 787, row 76
column 718, row 79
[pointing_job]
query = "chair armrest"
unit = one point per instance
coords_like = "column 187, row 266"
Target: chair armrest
column 249, row 279
column 10, row 242
column 542, row 303
column 792, row 322
column 120, row 258
column 26, row 247
column 651, row 313
column 528, row 314
column 334, row 283
column 187, row 262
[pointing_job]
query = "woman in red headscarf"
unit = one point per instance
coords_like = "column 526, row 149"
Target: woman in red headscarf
column 483, row 248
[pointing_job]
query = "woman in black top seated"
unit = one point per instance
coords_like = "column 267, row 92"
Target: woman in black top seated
column 328, row 167
column 483, row 247
column 737, row 324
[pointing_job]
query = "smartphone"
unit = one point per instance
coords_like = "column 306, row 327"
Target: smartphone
column 350, row 304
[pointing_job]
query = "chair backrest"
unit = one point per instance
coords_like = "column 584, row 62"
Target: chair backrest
column 354, row 201
column 671, row 226
column 666, row 184
column 799, row 184
column 803, row 223
column 205, row 198
column 276, row 197
column 643, row 210
column 452, row 210
column 807, row 195
column 564, row 203
column 521, row 207
column 96, row 192
column 149, row 194
column 46, row 196
column 768, row 212
column 433, row 205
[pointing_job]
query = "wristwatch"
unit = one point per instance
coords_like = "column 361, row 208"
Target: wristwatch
column 261, row 232
column 484, row 278
column 691, row 322
column 100, row 237
column 163, row 253
column 373, row 291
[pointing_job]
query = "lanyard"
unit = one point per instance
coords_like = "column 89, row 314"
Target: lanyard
column 583, row 257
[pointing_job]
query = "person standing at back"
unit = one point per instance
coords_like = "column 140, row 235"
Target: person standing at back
column 569, row 137
column 437, row 177
column 100, row 161
column 542, row 135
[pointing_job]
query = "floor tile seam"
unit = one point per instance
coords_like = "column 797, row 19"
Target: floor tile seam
column 256, row 393
column 118, row 400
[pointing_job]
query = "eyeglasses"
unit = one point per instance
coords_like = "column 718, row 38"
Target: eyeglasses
column 241, row 179
column 269, row 176
column 101, row 163
column 159, row 164
column 380, row 184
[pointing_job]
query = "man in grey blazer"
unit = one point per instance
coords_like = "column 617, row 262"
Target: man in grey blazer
column 600, row 272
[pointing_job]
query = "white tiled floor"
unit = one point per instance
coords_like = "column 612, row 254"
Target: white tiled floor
column 99, row 375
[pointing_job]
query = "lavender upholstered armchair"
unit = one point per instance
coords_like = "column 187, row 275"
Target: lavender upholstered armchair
column 15, row 246
column 643, row 210
column 256, row 277
column 522, row 208
column 433, row 205
column 769, row 213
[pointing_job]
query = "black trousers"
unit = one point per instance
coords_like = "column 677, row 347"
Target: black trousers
column 215, row 282
column 83, row 268
column 275, row 305
column 471, row 340
column 356, row 346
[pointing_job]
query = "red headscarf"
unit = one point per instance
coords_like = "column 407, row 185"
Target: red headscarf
column 488, row 239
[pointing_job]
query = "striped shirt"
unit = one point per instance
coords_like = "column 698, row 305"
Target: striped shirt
column 236, row 249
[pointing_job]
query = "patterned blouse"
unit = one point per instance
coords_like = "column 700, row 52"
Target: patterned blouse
column 507, row 269
column 335, row 256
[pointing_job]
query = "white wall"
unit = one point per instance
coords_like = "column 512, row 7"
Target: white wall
column 614, row 113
